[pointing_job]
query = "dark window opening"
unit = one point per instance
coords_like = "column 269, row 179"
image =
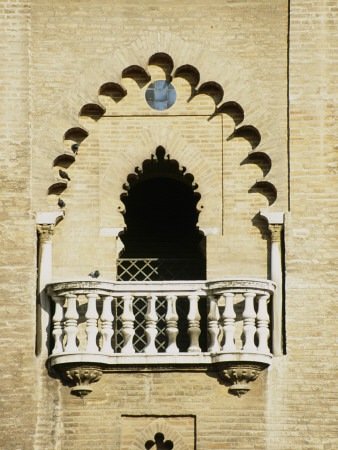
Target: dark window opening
column 161, row 240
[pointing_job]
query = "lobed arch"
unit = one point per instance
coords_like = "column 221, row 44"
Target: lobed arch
column 82, row 97
column 132, row 156
column 184, row 54
column 131, row 160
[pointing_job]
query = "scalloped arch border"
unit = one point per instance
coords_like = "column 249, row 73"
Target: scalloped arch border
column 138, row 53
column 233, row 93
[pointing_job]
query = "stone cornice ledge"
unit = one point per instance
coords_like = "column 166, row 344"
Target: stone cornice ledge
column 119, row 360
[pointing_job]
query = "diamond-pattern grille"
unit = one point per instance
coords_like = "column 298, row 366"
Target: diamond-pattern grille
column 157, row 269
column 140, row 310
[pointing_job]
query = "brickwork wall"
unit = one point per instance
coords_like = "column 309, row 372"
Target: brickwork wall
column 17, row 233
column 58, row 56
column 222, row 421
column 307, row 413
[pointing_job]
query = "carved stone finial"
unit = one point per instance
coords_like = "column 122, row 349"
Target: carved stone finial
column 81, row 377
column 45, row 231
column 276, row 230
column 240, row 374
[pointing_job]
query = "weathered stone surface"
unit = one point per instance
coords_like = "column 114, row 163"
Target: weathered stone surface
column 56, row 56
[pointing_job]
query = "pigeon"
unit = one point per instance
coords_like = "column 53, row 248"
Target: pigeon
column 94, row 274
column 75, row 148
column 61, row 203
column 64, row 175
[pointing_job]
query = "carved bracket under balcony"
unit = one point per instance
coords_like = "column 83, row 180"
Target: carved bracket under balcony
column 80, row 377
column 239, row 375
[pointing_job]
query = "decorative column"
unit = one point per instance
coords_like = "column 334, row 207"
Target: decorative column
column 276, row 276
column 194, row 329
column 45, row 228
column 58, row 324
column 249, row 328
column 128, row 325
column 107, row 331
column 276, row 221
column 263, row 324
column 213, row 328
column 229, row 328
column 171, row 319
column 151, row 321
column 71, row 317
column 91, row 328
column 45, row 233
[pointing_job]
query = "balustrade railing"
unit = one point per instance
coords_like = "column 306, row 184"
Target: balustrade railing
column 173, row 318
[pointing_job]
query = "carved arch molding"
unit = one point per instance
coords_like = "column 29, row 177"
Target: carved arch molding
column 111, row 98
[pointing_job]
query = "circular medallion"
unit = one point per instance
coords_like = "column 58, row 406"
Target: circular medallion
column 160, row 95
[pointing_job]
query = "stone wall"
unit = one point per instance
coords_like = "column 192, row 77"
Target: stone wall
column 57, row 58
column 309, row 393
column 17, row 231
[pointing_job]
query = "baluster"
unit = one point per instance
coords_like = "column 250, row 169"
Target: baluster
column 262, row 324
column 128, row 325
column 91, row 328
column 229, row 323
column 213, row 318
column 71, row 330
column 58, row 324
column 249, row 316
column 151, row 321
column 107, row 331
column 194, row 318
column 171, row 319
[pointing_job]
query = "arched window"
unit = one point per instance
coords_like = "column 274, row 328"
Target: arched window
column 161, row 239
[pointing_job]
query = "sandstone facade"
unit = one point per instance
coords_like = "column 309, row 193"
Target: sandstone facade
column 253, row 123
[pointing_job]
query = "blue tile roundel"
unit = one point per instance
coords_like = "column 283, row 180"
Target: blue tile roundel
column 160, row 95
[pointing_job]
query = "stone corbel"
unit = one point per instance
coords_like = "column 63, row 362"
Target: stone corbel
column 239, row 374
column 79, row 377
column 276, row 223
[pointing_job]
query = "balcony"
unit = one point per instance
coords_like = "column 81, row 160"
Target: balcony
column 101, row 326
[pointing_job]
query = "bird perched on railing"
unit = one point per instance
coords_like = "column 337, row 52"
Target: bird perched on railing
column 61, row 203
column 64, row 175
column 95, row 274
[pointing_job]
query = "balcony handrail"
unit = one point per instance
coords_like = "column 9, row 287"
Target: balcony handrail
column 118, row 288
column 180, row 287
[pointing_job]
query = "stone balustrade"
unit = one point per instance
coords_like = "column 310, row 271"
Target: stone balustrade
column 177, row 323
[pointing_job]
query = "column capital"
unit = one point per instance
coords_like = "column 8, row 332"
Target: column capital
column 45, row 223
column 45, row 231
column 276, row 230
